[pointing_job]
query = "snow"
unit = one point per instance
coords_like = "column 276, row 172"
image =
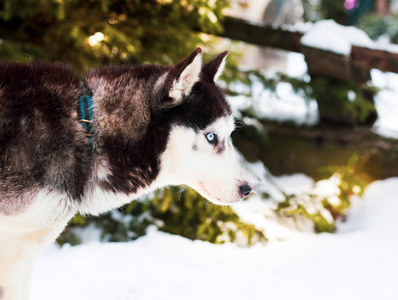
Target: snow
column 294, row 184
column 375, row 213
column 358, row 262
column 283, row 105
column 296, row 66
column 330, row 36
column 292, row 108
column 386, row 103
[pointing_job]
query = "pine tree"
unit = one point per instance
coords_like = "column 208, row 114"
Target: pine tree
column 92, row 33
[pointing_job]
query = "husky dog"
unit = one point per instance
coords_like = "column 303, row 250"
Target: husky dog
column 151, row 126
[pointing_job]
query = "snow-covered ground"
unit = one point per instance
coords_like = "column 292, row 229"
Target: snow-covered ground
column 358, row 262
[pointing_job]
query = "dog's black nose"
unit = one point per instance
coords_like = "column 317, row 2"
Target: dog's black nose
column 245, row 190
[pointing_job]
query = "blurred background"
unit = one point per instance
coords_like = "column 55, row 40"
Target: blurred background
column 315, row 100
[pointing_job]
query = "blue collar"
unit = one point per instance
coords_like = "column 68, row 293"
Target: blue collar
column 86, row 115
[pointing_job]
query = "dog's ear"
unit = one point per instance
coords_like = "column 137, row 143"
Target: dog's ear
column 186, row 73
column 213, row 69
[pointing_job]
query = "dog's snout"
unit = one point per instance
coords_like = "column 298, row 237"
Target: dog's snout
column 245, row 190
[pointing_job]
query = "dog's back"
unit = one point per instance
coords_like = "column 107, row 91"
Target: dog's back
column 42, row 142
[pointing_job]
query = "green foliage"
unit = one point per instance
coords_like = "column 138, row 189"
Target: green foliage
column 350, row 184
column 135, row 31
column 321, row 224
column 377, row 26
column 344, row 102
column 311, row 10
column 183, row 213
column 315, row 10
column 68, row 237
column 311, row 207
column 324, row 211
column 332, row 9
column 187, row 214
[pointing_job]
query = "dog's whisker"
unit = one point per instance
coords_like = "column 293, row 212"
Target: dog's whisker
column 211, row 206
column 181, row 191
column 214, row 208
column 239, row 125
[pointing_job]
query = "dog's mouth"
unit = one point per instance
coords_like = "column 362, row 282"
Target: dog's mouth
column 213, row 198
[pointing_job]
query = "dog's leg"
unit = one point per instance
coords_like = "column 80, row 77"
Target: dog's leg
column 16, row 259
column 18, row 253
column 23, row 237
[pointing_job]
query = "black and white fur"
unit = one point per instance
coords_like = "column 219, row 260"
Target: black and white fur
column 153, row 126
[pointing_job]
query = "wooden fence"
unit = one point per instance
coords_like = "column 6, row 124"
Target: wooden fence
column 323, row 63
column 305, row 149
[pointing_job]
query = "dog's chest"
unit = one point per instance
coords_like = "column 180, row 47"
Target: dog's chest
column 48, row 211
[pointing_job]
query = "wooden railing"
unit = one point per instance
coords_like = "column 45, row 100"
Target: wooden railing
column 305, row 149
column 320, row 62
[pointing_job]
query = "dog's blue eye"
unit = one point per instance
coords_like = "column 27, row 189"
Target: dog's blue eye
column 211, row 138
